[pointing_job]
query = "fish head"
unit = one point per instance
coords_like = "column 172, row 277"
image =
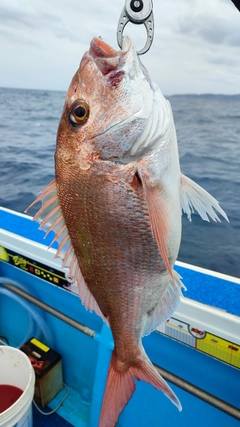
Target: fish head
column 108, row 103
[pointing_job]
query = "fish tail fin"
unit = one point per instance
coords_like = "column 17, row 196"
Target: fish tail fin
column 147, row 372
column 121, row 385
column 119, row 389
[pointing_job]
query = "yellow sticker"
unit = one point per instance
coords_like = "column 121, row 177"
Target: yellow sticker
column 3, row 254
column 40, row 345
column 221, row 349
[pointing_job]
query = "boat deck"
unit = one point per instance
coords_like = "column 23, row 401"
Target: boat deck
column 200, row 343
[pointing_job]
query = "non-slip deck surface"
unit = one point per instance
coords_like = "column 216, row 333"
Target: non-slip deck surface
column 53, row 420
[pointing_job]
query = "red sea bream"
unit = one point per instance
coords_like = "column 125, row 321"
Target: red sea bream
column 116, row 208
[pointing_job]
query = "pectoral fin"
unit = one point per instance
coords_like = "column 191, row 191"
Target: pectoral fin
column 194, row 197
column 159, row 217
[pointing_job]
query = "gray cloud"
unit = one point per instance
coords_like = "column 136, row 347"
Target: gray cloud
column 69, row 20
column 20, row 17
column 224, row 60
column 14, row 17
column 8, row 35
column 33, row 25
column 215, row 30
column 194, row 40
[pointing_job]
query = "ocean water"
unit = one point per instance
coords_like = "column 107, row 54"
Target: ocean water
column 208, row 129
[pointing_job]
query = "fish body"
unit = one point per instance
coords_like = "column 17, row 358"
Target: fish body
column 115, row 207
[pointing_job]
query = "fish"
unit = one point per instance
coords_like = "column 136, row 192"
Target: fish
column 116, row 206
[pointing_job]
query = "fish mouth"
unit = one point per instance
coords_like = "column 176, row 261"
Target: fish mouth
column 99, row 48
column 106, row 57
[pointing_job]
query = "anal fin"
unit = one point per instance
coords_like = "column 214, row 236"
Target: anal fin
column 168, row 303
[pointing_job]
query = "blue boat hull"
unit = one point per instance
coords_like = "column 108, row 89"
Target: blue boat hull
column 200, row 343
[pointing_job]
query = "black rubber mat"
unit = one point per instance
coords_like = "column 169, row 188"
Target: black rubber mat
column 53, row 420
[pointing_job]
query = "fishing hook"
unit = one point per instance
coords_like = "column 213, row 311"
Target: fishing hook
column 137, row 12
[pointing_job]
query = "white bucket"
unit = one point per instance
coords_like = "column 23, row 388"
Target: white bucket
column 16, row 370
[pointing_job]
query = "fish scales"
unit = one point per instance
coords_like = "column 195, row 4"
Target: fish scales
column 115, row 207
column 113, row 229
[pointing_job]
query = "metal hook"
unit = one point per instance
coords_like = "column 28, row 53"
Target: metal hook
column 137, row 12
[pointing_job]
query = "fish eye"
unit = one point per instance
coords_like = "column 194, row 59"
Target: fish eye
column 79, row 112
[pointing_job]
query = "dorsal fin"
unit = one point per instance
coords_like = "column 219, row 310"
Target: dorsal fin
column 51, row 218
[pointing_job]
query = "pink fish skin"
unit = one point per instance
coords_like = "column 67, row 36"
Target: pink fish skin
column 116, row 207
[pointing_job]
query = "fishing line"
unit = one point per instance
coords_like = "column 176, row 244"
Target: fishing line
column 33, row 314
column 57, row 407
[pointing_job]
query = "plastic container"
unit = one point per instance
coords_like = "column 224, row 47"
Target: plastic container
column 16, row 370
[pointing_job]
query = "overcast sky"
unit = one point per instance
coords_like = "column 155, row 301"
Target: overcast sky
column 196, row 47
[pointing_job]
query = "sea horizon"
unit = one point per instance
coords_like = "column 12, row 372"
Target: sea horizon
column 204, row 94
column 208, row 132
